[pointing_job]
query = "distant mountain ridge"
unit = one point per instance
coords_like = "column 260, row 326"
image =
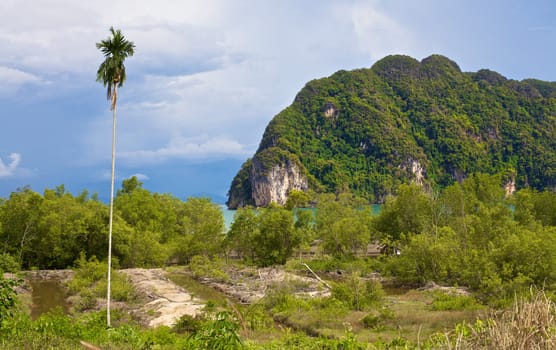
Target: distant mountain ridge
column 403, row 121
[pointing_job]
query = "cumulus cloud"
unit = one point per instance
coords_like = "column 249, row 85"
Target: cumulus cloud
column 15, row 76
column 214, row 68
column 187, row 148
column 12, row 79
column 9, row 169
column 224, row 71
column 42, row 37
column 377, row 33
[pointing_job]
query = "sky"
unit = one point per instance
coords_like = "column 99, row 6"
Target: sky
column 207, row 77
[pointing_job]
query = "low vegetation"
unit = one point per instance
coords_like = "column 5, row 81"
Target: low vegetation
column 455, row 270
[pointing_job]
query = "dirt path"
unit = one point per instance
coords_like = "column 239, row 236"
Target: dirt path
column 168, row 302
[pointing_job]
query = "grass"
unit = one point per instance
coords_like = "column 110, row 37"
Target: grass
column 421, row 319
column 408, row 315
column 529, row 324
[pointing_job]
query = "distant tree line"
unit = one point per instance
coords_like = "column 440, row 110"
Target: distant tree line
column 470, row 234
column 51, row 230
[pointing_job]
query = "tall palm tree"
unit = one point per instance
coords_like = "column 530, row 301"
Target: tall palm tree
column 111, row 73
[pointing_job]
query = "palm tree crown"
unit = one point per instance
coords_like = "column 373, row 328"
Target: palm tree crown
column 111, row 72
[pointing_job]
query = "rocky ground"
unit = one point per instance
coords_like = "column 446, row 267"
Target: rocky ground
column 165, row 301
column 248, row 285
column 162, row 302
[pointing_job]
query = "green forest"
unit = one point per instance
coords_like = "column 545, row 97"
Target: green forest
column 404, row 121
column 468, row 235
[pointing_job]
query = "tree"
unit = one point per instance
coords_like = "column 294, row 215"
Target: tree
column 112, row 74
column 343, row 224
column 408, row 212
column 20, row 216
column 242, row 233
column 277, row 236
column 201, row 226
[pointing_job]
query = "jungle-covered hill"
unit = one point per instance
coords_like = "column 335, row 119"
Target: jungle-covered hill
column 404, row 121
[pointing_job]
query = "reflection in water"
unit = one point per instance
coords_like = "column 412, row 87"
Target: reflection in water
column 47, row 295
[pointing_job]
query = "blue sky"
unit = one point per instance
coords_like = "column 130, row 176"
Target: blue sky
column 209, row 75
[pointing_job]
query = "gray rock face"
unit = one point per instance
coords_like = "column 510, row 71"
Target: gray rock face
column 274, row 184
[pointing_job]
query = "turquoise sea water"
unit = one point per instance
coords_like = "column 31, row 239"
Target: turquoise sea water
column 229, row 214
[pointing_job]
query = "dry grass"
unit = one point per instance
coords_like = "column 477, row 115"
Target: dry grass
column 530, row 324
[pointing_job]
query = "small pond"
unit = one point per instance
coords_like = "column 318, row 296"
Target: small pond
column 46, row 296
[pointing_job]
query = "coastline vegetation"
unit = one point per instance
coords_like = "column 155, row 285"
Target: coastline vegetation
column 467, row 267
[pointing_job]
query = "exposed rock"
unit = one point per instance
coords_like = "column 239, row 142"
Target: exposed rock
column 509, row 187
column 330, row 111
column 249, row 285
column 362, row 129
column 433, row 287
column 60, row 275
column 458, row 175
column 274, row 184
column 416, row 169
column 169, row 302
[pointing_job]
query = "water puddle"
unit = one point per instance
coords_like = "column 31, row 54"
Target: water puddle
column 47, row 295
column 197, row 288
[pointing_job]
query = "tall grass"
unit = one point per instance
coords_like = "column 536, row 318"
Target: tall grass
column 530, row 324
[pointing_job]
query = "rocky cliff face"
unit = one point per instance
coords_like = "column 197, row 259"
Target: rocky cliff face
column 267, row 178
column 274, row 184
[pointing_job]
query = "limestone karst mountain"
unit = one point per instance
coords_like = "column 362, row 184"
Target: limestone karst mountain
column 403, row 121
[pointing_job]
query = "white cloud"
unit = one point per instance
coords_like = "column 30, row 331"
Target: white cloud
column 12, row 79
column 140, row 177
column 377, row 33
column 223, row 71
column 16, row 77
column 186, row 148
column 60, row 35
column 107, row 175
column 215, row 68
column 8, row 170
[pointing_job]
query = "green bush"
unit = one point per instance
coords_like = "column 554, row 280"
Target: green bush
column 358, row 293
column 87, row 273
column 8, row 297
column 121, row 288
column 201, row 266
column 8, row 263
column 220, row 334
column 453, row 302
column 256, row 318
column 89, row 281
column 377, row 321
column 87, row 300
column 188, row 324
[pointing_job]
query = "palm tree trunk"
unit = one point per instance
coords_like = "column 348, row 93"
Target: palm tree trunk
column 111, row 206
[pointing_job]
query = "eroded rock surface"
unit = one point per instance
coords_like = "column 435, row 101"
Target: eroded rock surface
column 273, row 185
column 248, row 285
column 168, row 301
